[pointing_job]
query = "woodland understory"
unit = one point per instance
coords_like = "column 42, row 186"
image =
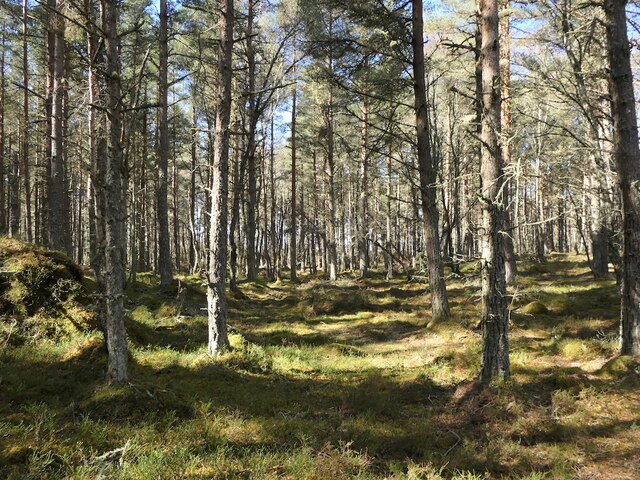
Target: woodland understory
column 319, row 239
column 332, row 380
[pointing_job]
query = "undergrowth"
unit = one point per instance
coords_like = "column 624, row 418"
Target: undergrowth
column 331, row 381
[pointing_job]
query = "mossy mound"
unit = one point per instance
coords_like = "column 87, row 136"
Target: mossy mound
column 534, row 308
column 42, row 290
column 618, row 366
column 134, row 402
column 34, row 279
column 329, row 300
column 249, row 358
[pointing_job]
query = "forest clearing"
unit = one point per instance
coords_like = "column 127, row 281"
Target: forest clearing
column 332, row 380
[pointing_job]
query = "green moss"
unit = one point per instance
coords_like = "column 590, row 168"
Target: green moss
column 89, row 350
column 166, row 310
column 248, row 357
column 618, row 366
column 38, row 283
column 142, row 314
column 44, row 291
column 135, row 403
column 534, row 308
column 575, row 348
column 138, row 332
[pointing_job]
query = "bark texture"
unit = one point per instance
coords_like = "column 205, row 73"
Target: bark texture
column 252, row 123
column 3, row 200
column 332, row 252
column 363, row 225
column 58, row 201
column 495, row 315
column 26, row 130
column 511, row 268
column 293, row 250
column 114, row 202
column 627, row 157
column 216, row 301
column 428, row 177
column 164, row 251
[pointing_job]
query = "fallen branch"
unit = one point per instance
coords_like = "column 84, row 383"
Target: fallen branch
column 458, row 440
column 116, row 455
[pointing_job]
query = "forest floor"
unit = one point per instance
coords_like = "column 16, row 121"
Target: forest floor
column 333, row 381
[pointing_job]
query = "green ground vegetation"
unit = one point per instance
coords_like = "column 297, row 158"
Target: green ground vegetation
column 328, row 381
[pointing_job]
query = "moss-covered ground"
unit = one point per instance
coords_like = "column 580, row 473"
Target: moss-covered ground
column 332, row 381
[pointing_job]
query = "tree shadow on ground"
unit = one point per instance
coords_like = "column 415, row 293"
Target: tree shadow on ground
column 393, row 419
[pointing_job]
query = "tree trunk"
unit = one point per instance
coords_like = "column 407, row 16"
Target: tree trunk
column 114, row 202
column 252, row 122
column 439, row 300
column 162, row 211
column 264, row 250
column 193, row 241
column 342, row 256
column 627, row 156
column 175, row 182
column 94, row 227
column 539, row 226
column 216, row 301
column 293, row 251
column 388, row 236
column 3, row 199
column 14, row 195
column 239, row 167
column 26, row 170
column 57, row 199
column 495, row 315
column 511, row 269
column 332, row 252
column 314, row 214
column 144, row 244
column 363, row 227
column 272, row 194
column 599, row 231
column 597, row 191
